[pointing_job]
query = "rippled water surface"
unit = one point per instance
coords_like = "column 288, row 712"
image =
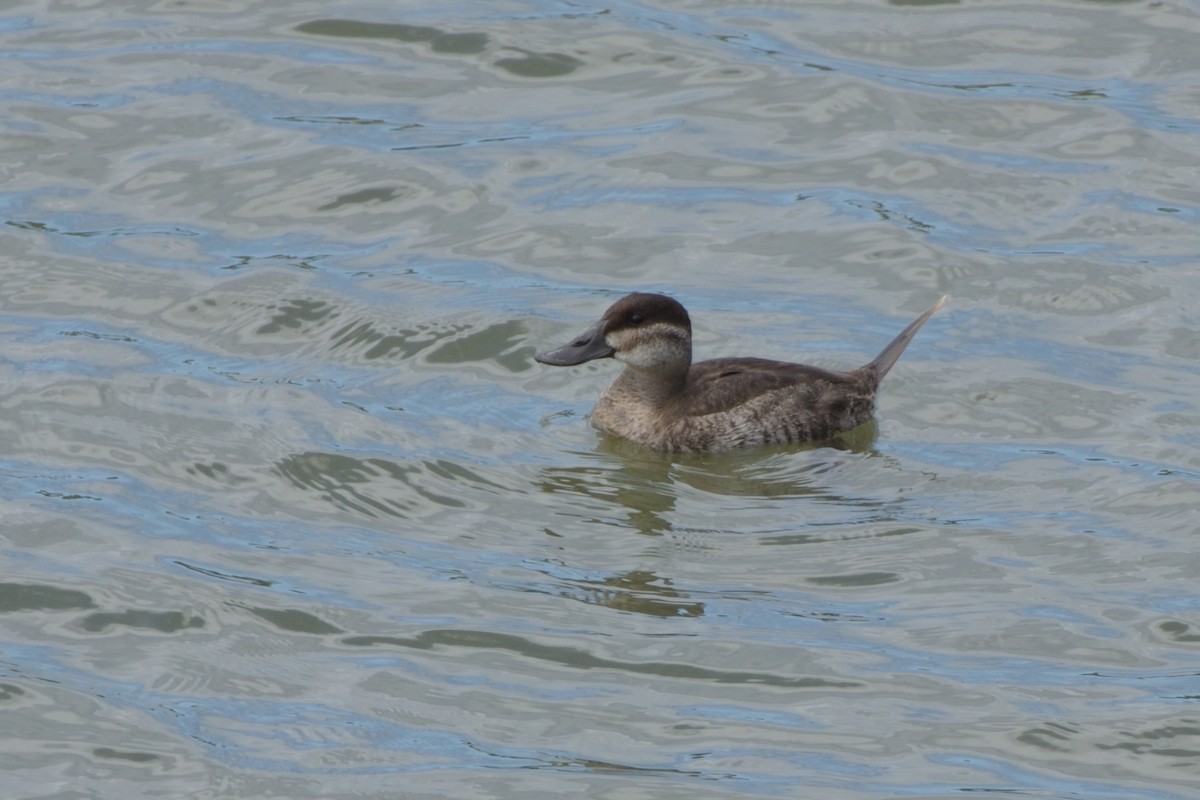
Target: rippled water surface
column 288, row 509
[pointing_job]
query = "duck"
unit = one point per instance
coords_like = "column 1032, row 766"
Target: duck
column 666, row 402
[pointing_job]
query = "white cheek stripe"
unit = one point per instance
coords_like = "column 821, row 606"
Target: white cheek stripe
column 649, row 345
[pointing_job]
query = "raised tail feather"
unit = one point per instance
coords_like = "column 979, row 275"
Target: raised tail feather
column 884, row 361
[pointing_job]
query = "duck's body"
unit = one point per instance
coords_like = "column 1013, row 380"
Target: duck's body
column 731, row 402
column 664, row 401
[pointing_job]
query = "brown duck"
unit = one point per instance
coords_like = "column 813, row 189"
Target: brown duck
column 664, row 401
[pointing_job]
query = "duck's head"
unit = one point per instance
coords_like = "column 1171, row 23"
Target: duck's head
column 644, row 331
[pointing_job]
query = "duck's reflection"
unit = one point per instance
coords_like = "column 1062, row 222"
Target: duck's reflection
column 642, row 487
column 639, row 591
column 616, row 484
column 645, row 484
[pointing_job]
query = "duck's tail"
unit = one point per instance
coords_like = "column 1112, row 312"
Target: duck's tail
column 884, row 361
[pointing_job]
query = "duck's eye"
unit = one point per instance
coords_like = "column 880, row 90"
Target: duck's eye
column 636, row 319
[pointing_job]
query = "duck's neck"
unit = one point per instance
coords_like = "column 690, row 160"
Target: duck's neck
column 654, row 387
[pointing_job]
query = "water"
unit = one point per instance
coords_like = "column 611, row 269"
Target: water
column 288, row 510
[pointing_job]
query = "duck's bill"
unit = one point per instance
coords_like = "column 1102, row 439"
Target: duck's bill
column 588, row 345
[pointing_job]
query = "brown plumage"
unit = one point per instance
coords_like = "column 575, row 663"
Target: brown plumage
column 664, row 401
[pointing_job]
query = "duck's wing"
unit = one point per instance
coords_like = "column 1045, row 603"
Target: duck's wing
column 722, row 384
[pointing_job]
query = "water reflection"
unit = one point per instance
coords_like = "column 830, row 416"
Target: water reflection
column 646, row 484
column 642, row 489
column 295, row 621
column 374, row 486
column 1161, row 744
column 160, row 621
column 438, row 40
column 524, row 64
column 638, row 591
column 579, row 658
column 539, row 65
column 40, row 597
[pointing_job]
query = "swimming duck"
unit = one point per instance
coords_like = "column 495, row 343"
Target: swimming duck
column 664, row 401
